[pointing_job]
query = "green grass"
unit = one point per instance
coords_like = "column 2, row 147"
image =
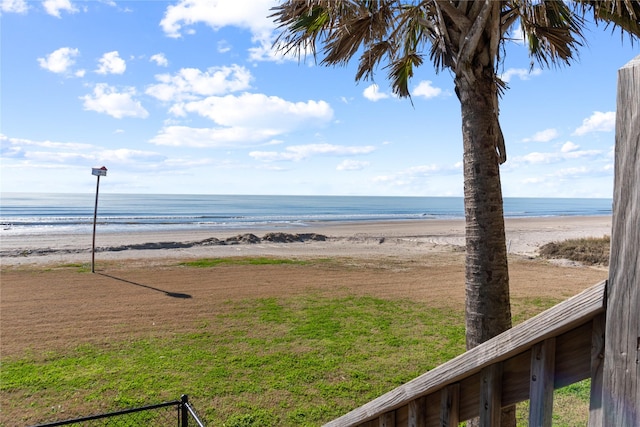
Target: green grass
column 527, row 307
column 79, row 267
column 298, row 361
column 281, row 362
column 214, row 262
column 570, row 406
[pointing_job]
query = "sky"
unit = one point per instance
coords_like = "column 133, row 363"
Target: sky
column 190, row 97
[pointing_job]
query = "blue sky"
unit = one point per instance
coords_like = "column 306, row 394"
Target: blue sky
column 188, row 97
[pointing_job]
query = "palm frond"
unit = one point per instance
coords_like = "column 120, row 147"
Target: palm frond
column 302, row 26
column 554, row 31
column 454, row 34
column 401, row 71
column 372, row 57
column 622, row 14
column 367, row 25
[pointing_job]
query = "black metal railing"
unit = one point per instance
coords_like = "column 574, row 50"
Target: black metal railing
column 177, row 412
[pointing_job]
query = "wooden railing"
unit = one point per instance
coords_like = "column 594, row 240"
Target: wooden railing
column 560, row 346
column 595, row 334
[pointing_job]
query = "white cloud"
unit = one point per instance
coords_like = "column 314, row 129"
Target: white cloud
column 11, row 147
column 108, row 100
column 253, row 16
column 568, row 151
column 543, row 136
column 417, row 175
column 60, row 60
column 47, row 153
column 53, row 7
column 184, row 136
column 568, row 147
column 562, row 182
column 573, row 172
column 217, row 14
column 411, row 173
column 14, row 6
column 425, row 90
column 126, row 155
column 423, row 170
column 271, row 114
column 111, row 63
column 159, row 59
column 352, row 165
column 28, row 152
column 597, row 122
column 517, row 35
column 63, row 157
column 223, row 46
column 533, row 180
column 191, row 83
column 300, row 152
column 521, row 73
column 265, row 50
column 537, row 157
column 372, row 93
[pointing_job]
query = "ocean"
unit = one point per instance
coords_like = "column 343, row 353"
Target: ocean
column 31, row 213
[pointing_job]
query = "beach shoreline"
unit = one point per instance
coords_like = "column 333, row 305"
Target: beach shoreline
column 358, row 238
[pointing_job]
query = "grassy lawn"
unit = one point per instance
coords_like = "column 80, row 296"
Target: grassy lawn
column 267, row 362
column 294, row 361
column 297, row 361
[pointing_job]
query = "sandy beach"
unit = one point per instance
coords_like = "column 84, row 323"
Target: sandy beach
column 397, row 238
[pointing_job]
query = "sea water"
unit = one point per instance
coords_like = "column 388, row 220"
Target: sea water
column 32, row 213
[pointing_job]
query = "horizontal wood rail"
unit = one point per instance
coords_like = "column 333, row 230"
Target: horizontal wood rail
column 556, row 348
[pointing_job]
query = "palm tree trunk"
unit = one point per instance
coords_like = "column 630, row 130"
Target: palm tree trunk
column 488, row 310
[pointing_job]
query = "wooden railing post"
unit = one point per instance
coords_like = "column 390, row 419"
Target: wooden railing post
column 543, row 360
column 597, row 362
column 450, row 406
column 418, row 412
column 621, row 388
column 491, row 395
column 387, row 420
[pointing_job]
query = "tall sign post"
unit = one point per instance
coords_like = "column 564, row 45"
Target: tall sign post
column 98, row 172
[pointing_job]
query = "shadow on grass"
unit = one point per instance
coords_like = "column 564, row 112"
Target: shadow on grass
column 167, row 293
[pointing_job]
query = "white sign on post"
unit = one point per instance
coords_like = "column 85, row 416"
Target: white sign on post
column 99, row 171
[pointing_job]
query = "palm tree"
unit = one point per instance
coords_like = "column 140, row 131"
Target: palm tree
column 468, row 38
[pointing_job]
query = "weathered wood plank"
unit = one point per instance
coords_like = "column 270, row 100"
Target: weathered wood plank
column 449, row 406
column 597, row 364
column 621, row 397
column 434, row 401
column 388, row 419
column 573, row 356
column 515, row 378
column 491, row 395
column 543, row 362
column 469, row 397
column 402, row 415
column 418, row 412
column 563, row 317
